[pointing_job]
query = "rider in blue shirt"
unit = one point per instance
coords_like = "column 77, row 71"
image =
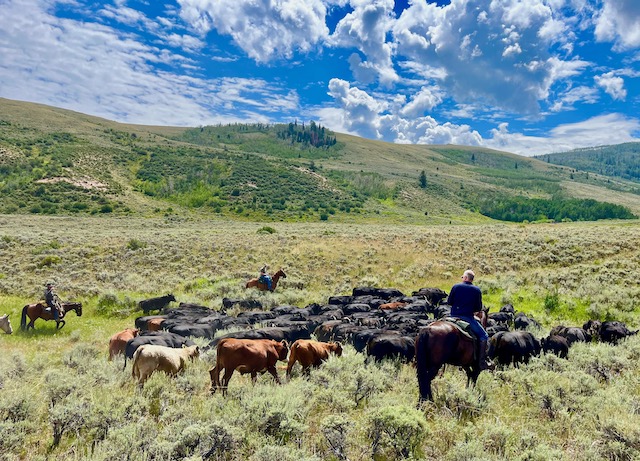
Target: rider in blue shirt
column 265, row 277
column 465, row 298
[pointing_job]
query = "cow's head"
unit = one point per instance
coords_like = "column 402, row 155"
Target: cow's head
column 283, row 349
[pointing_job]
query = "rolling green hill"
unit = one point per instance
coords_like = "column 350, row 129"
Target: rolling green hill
column 55, row 161
column 619, row 161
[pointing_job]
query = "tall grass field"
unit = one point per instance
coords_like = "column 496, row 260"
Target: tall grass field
column 60, row 398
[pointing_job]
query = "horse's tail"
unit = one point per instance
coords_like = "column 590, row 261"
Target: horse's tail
column 23, row 319
column 423, row 364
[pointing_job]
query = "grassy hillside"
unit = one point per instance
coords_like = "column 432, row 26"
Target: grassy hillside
column 54, row 161
column 61, row 399
column 618, row 161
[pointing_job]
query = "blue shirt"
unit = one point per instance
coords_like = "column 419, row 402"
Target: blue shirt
column 465, row 299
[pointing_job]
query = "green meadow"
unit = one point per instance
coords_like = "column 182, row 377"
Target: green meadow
column 60, row 398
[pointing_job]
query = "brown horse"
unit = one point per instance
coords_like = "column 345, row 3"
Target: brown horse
column 39, row 311
column 440, row 343
column 263, row 286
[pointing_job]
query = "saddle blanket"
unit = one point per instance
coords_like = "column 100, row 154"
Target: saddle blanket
column 462, row 326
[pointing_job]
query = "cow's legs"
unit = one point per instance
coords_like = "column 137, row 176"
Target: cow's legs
column 274, row 373
column 214, row 374
column 225, row 380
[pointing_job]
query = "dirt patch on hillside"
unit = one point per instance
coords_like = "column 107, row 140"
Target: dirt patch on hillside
column 85, row 183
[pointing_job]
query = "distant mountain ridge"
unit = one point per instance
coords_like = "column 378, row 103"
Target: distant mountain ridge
column 620, row 160
column 56, row 161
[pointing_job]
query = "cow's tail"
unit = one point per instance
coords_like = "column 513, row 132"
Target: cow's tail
column 423, row 365
column 125, row 361
column 214, row 374
column 292, row 359
column 23, row 319
column 135, row 372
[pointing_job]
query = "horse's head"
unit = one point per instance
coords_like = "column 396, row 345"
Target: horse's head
column 73, row 307
column 5, row 324
column 280, row 273
column 482, row 317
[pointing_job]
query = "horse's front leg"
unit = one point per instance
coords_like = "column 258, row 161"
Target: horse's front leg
column 60, row 324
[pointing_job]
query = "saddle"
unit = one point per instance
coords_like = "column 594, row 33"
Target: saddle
column 463, row 327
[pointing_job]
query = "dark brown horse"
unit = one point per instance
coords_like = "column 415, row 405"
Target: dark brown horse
column 442, row 342
column 263, row 286
column 39, row 311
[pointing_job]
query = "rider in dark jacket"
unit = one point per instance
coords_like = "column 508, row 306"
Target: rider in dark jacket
column 465, row 298
column 52, row 301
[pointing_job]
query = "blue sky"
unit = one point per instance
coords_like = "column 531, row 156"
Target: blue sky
column 525, row 76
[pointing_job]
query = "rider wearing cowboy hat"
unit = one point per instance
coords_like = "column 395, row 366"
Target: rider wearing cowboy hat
column 52, row 301
column 265, row 277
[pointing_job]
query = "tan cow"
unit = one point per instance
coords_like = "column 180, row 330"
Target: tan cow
column 311, row 353
column 149, row 358
column 155, row 324
column 118, row 342
column 246, row 356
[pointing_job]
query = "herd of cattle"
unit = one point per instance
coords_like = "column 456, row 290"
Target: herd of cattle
column 380, row 322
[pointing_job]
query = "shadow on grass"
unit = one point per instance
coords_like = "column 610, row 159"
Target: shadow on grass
column 42, row 328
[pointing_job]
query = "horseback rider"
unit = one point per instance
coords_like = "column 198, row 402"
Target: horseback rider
column 52, row 301
column 265, row 277
column 465, row 299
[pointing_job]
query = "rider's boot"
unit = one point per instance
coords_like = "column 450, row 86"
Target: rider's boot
column 483, row 360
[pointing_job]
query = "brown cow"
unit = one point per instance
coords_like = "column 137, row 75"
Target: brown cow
column 311, row 353
column 392, row 306
column 118, row 342
column 155, row 324
column 246, row 356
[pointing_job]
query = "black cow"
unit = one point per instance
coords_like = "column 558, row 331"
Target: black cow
column 505, row 318
column 198, row 330
column 592, row 327
column 392, row 346
column 556, row 344
column 433, row 295
column 572, row 334
column 508, row 308
column 492, row 330
column 442, row 310
column 288, row 333
column 353, row 308
column 522, row 322
column 613, row 331
column 159, row 303
column 228, row 303
column 361, row 338
column 513, row 347
column 257, row 316
column 384, row 293
column 158, row 338
column 340, row 300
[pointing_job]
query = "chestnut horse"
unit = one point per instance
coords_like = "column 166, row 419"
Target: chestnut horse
column 39, row 311
column 440, row 343
column 263, row 286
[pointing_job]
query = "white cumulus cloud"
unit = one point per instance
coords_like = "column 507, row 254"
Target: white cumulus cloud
column 612, row 85
column 619, row 21
column 264, row 30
